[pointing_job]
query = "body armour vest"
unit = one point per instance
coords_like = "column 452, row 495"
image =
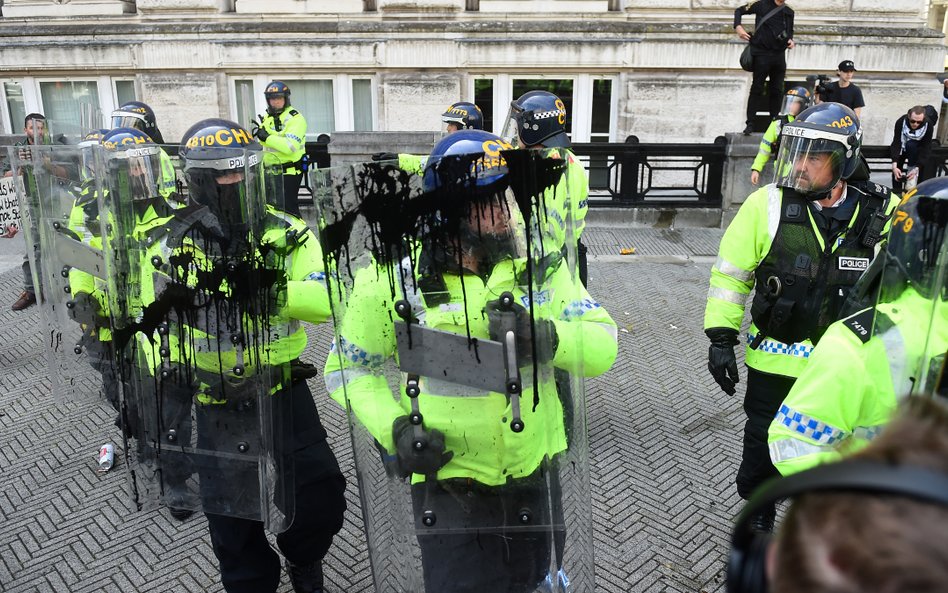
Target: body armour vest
column 800, row 287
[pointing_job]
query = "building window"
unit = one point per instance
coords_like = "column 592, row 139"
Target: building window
column 562, row 88
column 124, row 92
column 484, row 98
column 362, row 113
column 16, row 109
column 342, row 102
column 72, row 105
column 601, row 125
column 245, row 102
column 589, row 100
column 314, row 99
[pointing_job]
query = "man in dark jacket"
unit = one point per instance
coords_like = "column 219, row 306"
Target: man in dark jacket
column 773, row 35
column 911, row 149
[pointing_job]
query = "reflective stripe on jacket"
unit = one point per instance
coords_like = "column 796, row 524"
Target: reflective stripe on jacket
column 851, row 387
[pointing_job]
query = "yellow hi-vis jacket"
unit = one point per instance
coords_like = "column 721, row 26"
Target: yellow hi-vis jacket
column 476, row 427
column 745, row 244
column 854, row 381
column 306, row 300
column 289, row 144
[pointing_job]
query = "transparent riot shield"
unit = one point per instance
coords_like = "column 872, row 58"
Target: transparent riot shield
column 454, row 355
column 87, row 117
column 68, row 265
column 197, row 294
column 928, row 275
column 911, row 314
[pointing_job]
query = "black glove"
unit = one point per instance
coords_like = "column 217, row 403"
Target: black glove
column 258, row 131
column 385, row 156
column 721, row 359
column 425, row 461
column 545, row 332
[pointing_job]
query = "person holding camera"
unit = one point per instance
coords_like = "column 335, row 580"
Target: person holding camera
column 843, row 90
column 773, row 35
column 911, row 148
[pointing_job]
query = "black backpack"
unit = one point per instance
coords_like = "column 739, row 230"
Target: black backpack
column 931, row 114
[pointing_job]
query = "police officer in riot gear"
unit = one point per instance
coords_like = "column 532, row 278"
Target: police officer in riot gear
column 138, row 116
column 796, row 100
column 800, row 243
column 481, row 454
column 537, row 119
column 225, row 282
column 463, row 116
column 283, row 131
column 868, row 362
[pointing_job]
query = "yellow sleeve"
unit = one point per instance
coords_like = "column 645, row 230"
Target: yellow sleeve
column 744, row 244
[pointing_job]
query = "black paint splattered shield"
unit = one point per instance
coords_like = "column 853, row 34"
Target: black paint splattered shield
column 444, row 291
column 196, row 296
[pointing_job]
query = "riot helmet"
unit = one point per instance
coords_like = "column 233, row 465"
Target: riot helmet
column 137, row 115
column 818, row 149
column 916, row 240
column 467, row 175
column 87, row 157
column 221, row 161
column 795, row 101
column 537, row 118
column 277, row 90
column 464, row 116
column 136, row 162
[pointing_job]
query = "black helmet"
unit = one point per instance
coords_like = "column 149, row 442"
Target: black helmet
column 135, row 114
column 798, row 96
column 467, row 116
column 211, row 152
column 825, row 129
column 915, row 242
column 539, row 118
column 277, row 89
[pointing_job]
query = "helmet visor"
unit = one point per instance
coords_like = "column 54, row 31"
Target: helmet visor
column 137, row 173
column 810, row 165
column 511, row 131
column 792, row 105
column 125, row 119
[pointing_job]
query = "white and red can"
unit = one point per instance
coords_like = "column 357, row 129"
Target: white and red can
column 106, row 457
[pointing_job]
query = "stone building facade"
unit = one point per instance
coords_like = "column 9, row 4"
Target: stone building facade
column 663, row 70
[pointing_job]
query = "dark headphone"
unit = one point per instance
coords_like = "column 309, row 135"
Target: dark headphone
column 746, row 568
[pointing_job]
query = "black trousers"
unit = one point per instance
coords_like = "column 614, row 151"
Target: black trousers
column 291, row 193
column 764, row 395
column 581, row 257
column 483, row 555
column 247, row 562
column 772, row 66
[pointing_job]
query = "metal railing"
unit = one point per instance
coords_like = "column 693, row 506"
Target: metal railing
column 637, row 174
column 880, row 162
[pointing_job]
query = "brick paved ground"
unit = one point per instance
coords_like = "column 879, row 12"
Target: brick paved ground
column 664, row 443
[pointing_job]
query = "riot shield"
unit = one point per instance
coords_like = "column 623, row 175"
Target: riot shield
column 911, row 314
column 932, row 284
column 68, row 266
column 454, row 358
column 197, row 289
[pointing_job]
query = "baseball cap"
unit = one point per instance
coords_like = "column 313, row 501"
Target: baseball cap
column 846, row 66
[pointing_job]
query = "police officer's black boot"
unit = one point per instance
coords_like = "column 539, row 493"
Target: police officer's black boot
column 306, row 578
column 763, row 520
